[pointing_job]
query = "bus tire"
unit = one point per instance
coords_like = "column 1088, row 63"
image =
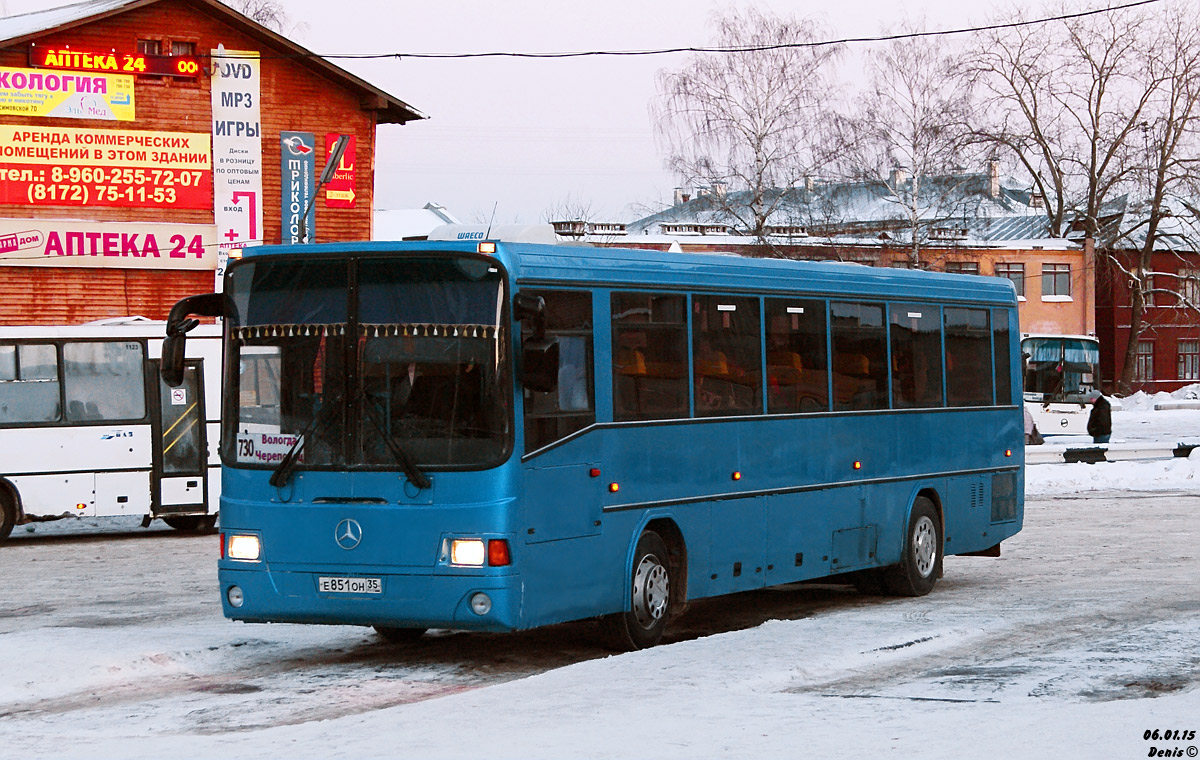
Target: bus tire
column 8, row 514
column 642, row 625
column 192, row 523
column 399, row 635
column 870, row 582
column 921, row 562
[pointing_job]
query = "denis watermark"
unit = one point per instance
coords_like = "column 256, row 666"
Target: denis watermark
column 1171, row 742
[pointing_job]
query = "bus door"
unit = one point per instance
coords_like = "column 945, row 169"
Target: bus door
column 180, row 480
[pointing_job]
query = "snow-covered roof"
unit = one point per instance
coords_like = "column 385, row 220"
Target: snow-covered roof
column 397, row 224
column 27, row 24
column 962, row 208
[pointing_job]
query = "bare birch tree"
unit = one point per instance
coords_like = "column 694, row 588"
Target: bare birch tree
column 1065, row 99
column 1171, row 131
column 747, row 120
column 907, row 131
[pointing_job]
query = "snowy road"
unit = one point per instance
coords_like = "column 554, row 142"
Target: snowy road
column 1082, row 636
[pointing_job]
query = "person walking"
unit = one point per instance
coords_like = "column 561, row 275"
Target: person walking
column 1099, row 425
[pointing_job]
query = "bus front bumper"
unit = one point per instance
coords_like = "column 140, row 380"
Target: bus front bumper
column 466, row 602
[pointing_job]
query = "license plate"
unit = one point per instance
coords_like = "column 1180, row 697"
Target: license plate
column 328, row 585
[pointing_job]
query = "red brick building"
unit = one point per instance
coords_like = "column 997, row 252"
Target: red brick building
column 124, row 161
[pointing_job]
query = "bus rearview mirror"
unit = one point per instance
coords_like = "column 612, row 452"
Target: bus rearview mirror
column 179, row 322
column 171, row 367
column 539, row 362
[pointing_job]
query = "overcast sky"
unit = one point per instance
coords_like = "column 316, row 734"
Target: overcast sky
column 524, row 135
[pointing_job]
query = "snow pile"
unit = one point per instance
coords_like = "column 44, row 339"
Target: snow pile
column 1144, row 402
column 1161, row 475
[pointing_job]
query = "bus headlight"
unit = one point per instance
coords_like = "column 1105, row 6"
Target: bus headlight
column 467, row 551
column 245, row 548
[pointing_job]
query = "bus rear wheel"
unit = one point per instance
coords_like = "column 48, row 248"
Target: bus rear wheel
column 399, row 635
column 8, row 514
column 192, row 523
column 642, row 625
column 921, row 564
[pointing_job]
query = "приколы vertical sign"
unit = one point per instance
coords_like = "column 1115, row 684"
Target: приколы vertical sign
column 237, row 150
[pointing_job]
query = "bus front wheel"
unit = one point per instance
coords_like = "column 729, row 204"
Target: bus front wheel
column 399, row 635
column 921, row 564
column 642, row 625
column 8, row 514
column 192, row 523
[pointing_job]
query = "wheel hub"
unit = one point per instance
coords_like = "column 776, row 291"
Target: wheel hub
column 924, row 548
column 651, row 590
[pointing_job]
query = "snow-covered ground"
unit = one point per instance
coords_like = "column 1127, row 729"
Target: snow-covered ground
column 1081, row 638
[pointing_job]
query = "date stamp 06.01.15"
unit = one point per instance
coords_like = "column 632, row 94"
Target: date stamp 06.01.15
column 1171, row 742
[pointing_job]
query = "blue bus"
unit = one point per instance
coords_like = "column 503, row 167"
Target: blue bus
column 493, row 436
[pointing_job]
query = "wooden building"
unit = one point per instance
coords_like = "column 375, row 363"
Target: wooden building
column 141, row 140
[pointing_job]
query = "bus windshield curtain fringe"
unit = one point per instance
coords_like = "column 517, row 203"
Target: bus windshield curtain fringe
column 288, row 331
column 428, row 330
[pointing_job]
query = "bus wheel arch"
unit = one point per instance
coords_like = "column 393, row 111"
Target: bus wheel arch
column 672, row 536
column 10, row 508
column 651, row 578
column 924, row 548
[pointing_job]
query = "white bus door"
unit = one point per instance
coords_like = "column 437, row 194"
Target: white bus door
column 179, row 484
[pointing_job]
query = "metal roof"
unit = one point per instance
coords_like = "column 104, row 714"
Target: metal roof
column 862, row 209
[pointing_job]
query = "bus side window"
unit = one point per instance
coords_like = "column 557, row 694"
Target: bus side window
column 797, row 365
column 29, row 383
column 649, row 355
column 726, row 355
column 916, row 338
column 571, row 405
column 859, row 356
column 1001, row 349
column 104, row 381
column 968, row 357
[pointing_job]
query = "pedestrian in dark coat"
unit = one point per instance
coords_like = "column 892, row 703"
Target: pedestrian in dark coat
column 1099, row 424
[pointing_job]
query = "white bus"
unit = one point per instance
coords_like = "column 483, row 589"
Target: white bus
column 88, row 429
column 1059, row 371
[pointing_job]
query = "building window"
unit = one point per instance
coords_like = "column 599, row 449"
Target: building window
column 962, row 267
column 1145, row 361
column 1189, row 360
column 1056, row 280
column 1014, row 272
column 149, row 47
column 1189, row 287
column 183, row 48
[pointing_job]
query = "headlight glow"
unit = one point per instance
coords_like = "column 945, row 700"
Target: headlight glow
column 467, row 551
column 245, row 548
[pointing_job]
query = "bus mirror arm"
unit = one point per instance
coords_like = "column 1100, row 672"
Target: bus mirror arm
column 179, row 322
column 533, row 308
column 539, row 357
column 539, row 364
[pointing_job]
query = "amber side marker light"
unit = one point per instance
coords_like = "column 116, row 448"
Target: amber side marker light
column 857, row 465
column 736, row 475
column 1008, row 452
column 614, row 487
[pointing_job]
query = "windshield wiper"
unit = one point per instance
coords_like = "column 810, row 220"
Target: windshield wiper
column 402, row 457
column 283, row 472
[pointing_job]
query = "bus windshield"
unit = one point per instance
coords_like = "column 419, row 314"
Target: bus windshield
column 1060, row 369
column 377, row 362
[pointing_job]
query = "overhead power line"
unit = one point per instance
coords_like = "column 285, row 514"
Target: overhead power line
column 746, row 48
